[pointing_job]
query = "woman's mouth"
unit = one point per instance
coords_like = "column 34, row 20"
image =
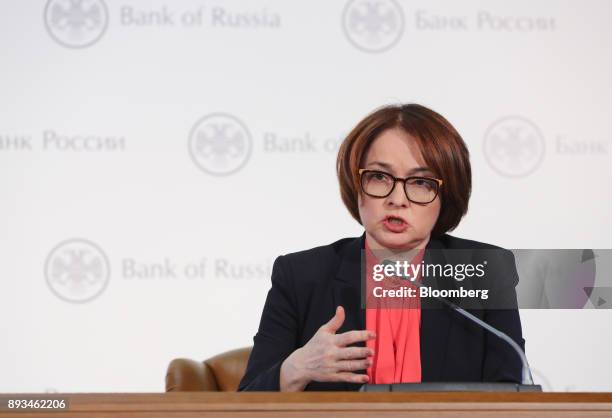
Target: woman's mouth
column 395, row 224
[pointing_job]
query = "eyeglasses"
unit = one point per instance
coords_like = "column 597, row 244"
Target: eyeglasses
column 421, row 190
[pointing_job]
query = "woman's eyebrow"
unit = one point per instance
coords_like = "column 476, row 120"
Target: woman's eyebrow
column 387, row 166
column 380, row 163
column 419, row 170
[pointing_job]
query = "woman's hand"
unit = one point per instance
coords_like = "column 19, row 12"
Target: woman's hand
column 326, row 357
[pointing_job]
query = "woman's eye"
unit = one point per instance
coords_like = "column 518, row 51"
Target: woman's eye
column 423, row 183
column 378, row 177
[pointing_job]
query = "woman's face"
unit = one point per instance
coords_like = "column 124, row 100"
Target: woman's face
column 397, row 153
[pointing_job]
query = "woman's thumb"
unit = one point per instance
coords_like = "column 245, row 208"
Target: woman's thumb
column 336, row 322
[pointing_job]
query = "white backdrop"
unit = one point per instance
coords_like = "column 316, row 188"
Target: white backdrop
column 156, row 156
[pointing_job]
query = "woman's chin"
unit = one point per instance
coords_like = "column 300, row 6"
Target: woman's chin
column 396, row 241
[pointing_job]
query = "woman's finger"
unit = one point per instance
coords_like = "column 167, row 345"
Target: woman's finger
column 353, row 365
column 350, row 377
column 350, row 353
column 352, row 337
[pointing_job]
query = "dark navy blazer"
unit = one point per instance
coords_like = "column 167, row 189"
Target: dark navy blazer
column 307, row 286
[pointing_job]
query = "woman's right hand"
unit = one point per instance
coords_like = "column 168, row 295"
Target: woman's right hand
column 326, row 357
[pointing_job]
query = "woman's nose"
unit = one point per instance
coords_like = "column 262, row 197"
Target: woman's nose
column 398, row 196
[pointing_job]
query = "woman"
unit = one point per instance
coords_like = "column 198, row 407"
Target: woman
column 314, row 332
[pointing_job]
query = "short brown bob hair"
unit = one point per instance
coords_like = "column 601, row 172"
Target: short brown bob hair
column 442, row 147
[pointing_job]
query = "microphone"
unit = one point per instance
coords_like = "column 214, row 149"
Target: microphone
column 526, row 378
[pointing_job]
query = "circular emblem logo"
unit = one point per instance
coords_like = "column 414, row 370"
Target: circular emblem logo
column 76, row 23
column 220, row 144
column 514, row 146
column 77, row 270
column 373, row 25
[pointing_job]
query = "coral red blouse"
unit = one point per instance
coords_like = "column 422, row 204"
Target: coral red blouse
column 397, row 323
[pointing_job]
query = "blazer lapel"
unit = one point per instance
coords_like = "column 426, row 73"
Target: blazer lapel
column 347, row 286
column 435, row 319
column 346, row 292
